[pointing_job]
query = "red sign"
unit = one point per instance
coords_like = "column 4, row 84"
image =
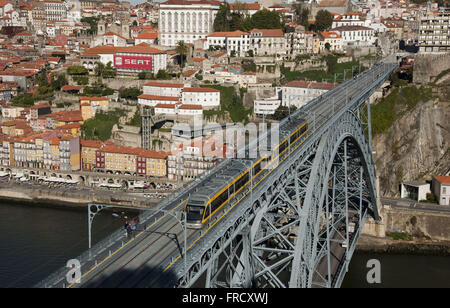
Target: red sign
column 134, row 62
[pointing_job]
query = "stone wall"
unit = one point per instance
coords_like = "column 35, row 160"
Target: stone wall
column 427, row 66
column 418, row 223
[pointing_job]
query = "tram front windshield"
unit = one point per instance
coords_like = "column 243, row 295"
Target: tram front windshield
column 194, row 213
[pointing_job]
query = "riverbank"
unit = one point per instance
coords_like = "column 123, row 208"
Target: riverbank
column 387, row 245
column 68, row 196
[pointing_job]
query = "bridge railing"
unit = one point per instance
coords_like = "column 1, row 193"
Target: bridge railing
column 103, row 249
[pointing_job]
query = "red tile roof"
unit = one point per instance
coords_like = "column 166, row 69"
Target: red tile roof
column 200, row 90
column 147, row 36
column 269, row 32
column 142, row 48
column 159, row 98
column 164, row 84
column 236, row 33
column 443, row 179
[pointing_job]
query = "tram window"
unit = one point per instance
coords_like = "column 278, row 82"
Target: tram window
column 218, row 201
column 194, row 212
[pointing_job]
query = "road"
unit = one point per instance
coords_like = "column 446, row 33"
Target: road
column 413, row 205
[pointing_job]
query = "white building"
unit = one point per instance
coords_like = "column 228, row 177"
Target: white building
column 55, row 10
column 135, row 59
column 114, row 39
column 356, row 35
column 179, row 109
column 183, row 20
column 348, row 19
column 299, row 92
column 237, row 41
column 163, row 89
column 266, row 106
column 153, row 100
column 247, row 9
column 441, row 189
column 147, row 37
column 267, row 42
column 208, row 98
column 333, row 39
column 415, row 190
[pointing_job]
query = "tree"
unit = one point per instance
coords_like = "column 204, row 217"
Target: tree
column 223, row 16
column 109, row 71
column 281, row 112
column 266, row 19
column 327, row 46
column 93, row 23
column 324, row 20
column 303, row 18
column 99, row 67
column 60, row 81
column 302, row 14
column 77, row 70
column 130, row 93
column 182, row 50
column 162, row 74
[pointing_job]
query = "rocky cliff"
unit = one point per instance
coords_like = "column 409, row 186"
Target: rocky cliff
column 415, row 147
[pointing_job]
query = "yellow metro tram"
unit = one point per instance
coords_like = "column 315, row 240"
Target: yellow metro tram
column 209, row 199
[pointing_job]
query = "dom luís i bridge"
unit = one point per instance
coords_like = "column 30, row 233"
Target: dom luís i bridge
column 288, row 218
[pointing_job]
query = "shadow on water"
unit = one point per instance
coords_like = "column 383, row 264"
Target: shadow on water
column 144, row 277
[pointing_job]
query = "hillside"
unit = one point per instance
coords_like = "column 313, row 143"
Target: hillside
column 412, row 140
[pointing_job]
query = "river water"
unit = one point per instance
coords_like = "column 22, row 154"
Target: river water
column 36, row 240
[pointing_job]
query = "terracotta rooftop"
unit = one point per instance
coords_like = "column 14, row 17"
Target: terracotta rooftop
column 159, row 98
column 200, row 90
column 164, row 84
column 443, row 179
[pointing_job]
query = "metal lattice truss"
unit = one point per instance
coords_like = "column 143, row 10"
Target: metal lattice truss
column 300, row 226
column 293, row 232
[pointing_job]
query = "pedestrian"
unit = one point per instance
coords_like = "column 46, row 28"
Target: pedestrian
column 129, row 231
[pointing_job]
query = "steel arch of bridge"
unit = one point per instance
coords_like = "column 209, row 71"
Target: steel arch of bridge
column 283, row 237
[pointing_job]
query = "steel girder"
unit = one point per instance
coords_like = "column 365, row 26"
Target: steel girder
column 287, row 235
column 293, row 246
column 313, row 203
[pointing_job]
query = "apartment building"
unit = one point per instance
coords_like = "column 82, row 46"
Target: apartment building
column 434, row 31
column 265, row 42
column 163, row 89
column 134, row 161
column 88, row 149
column 90, row 105
column 7, row 151
column 55, row 10
column 69, row 153
column 237, row 42
column 331, row 39
column 356, row 35
column 208, row 98
column 188, row 161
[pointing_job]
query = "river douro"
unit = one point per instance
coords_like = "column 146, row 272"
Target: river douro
column 36, row 240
